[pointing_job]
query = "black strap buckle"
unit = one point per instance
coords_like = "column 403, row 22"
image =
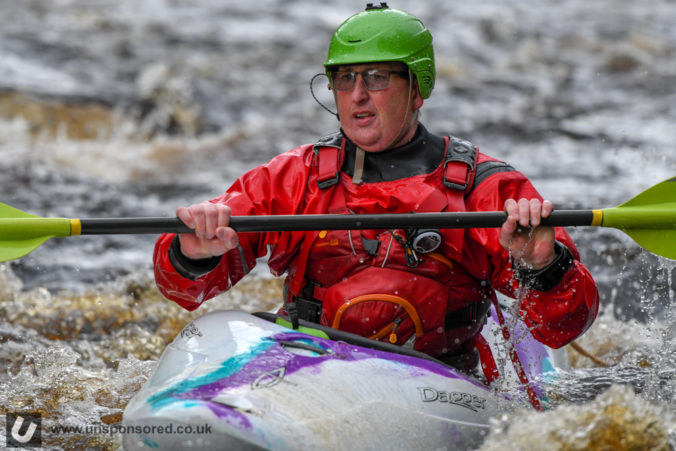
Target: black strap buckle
column 309, row 309
column 468, row 315
column 459, row 163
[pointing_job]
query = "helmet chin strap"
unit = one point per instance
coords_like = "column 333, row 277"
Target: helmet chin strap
column 414, row 117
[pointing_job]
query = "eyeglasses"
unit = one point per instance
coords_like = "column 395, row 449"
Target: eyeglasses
column 374, row 79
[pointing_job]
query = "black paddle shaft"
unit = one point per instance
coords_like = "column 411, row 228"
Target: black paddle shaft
column 279, row 223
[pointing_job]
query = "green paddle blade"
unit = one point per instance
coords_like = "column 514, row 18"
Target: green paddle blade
column 11, row 213
column 21, row 232
column 11, row 250
column 659, row 242
column 649, row 218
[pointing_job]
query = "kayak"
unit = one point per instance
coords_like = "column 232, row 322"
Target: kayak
column 234, row 380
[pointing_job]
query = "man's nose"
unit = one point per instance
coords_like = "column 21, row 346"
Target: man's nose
column 360, row 91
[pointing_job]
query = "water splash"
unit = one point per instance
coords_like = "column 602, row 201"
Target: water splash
column 116, row 108
column 78, row 359
column 617, row 419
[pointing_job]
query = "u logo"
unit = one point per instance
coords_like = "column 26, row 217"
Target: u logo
column 20, row 435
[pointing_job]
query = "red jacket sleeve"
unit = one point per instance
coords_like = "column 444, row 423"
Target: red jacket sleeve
column 274, row 188
column 557, row 316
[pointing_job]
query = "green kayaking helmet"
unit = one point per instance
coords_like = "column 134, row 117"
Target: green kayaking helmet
column 381, row 34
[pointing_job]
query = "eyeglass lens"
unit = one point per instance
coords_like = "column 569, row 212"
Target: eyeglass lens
column 374, row 79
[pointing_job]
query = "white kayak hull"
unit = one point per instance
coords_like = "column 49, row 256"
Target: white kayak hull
column 231, row 380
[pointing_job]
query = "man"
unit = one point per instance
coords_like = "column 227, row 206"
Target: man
column 428, row 289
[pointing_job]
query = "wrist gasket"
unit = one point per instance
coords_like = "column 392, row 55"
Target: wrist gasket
column 548, row 277
column 187, row 267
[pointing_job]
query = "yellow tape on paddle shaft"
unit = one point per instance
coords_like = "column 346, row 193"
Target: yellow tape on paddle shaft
column 597, row 218
column 75, row 227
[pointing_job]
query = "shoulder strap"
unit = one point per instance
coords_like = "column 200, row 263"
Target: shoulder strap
column 487, row 168
column 459, row 164
column 329, row 152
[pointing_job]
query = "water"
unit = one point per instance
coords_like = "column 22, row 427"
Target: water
column 121, row 108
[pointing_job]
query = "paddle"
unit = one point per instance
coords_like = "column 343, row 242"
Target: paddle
column 649, row 218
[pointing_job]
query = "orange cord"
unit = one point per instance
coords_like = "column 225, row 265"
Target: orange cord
column 443, row 259
column 386, row 298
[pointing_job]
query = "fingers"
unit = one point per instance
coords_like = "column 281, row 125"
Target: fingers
column 547, row 208
column 184, row 215
column 208, row 220
column 521, row 234
column 222, row 222
column 211, row 236
column 527, row 212
column 534, row 207
column 199, row 215
column 512, row 210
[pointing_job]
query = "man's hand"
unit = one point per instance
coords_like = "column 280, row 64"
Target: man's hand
column 528, row 244
column 212, row 236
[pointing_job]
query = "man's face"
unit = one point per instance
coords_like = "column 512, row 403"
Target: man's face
column 378, row 119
